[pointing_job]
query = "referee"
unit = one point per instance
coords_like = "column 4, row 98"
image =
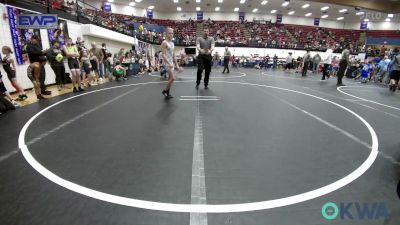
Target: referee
column 344, row 62
column 205, row 46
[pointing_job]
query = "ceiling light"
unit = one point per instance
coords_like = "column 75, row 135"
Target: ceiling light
column 387, row 20
column 264, row 2
column 132, row 4
column 366, row 20
column 255, row 10
column 360, row 13
column 324, row 16
column 343, row 10
column 198, row 8
column 308, row 14
column 291, row 13
column 151, row 7
column 305, row 6
column 340, row 18
column 324, row 8
column 285, row 4
column 179, row 8
column 390, row 15
column 242, row 1
column 273, row 11
column 217, row 8
column 197, row 1
column 236, row 9
column 138, row 1
column 220, row 1
column 176, row 1
column 110, row 0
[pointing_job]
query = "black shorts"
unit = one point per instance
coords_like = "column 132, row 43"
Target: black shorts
column 395, row 75
column 288, row 66
column 3, row 88
column 73, row 63
column 86, row 68
column 11, row 75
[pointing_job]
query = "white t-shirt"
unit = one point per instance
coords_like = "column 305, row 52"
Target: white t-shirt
column 328, row 56
column 289, row 59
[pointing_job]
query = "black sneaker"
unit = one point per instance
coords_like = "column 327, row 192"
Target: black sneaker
column 46, row 92
column 165, row 93
column 75, row 90
column 24, row 96
column 80, row 89
column 39, row 97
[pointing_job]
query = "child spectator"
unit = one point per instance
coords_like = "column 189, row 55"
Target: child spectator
column 119, row 71
column 9, row 67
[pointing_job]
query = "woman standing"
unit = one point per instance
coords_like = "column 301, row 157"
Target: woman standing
column 73, row 63
column 9, row 67
column 169, row 60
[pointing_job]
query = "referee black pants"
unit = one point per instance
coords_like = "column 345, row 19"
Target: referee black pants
column 203, row 63
column 341, row 71
column 226, row 65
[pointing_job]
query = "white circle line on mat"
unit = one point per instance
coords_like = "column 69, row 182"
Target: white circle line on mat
column 367, row 100
column 223, row 208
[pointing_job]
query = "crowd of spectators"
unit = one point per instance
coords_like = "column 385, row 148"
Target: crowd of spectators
column 226, row 33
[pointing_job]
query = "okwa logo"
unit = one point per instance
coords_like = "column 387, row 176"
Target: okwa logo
column 355, row 210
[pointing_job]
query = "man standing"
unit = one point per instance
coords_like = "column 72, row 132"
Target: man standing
column 205, row 45
column 327, row 63
column 227, row 56
column 34, row 50
column 306, row 63
column 289, row 60
column 275, row 62
column 344, row 61
column 55, row 58
column 266, row 61
column 316, row 61
column 99, row 55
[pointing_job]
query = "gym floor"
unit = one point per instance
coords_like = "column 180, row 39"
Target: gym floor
column 252, row 137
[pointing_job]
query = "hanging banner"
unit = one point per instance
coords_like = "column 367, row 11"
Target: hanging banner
column 107, row 7
column 20, row 37
column 14, row 34
column 149, row 13
column 199, row 15
column 60, row 34
column 316, row 21
column 37, row 21
column 242, row 16
column 364, row 25
column 279, row 18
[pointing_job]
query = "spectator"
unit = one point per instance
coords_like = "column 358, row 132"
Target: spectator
column 307, row 59
column 10, row 68
column 316, row 62
column 35, row 51
column 55, row 58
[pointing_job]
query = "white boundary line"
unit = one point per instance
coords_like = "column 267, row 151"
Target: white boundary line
column 198, row 193
column 381, row 104
column 198, row 99
column 211, row 76
column 242, row 207
column 199, row 96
